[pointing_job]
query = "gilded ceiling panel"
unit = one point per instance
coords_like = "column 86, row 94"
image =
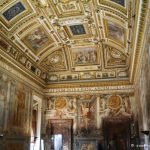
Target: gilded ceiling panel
column 14, row 12
column 69, row 40
column 56, row 61
column 120, row 2
column 67, row 8
column 78, row 31
column 114, row 57
column 115, row 32
column 37, row 39
column 85, row 58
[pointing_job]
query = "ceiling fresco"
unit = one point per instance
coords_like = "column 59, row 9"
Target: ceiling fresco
column 69, row 40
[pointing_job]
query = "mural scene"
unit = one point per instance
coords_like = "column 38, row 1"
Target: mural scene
column 83, row 110
column 37, row 39
column 3, row 98
column 115, row 32
column 89, row 113
column 62, row 108
column 84, row 55
column 20, row 109
column 14, row 110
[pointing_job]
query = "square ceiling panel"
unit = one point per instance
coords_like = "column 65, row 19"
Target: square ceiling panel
column 120, row 2
column 13, row 13
column 77, row 29
column 37, row 39
column 65, row 8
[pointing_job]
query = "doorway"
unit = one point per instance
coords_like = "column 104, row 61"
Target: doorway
column 57, row 140
column 60, row 133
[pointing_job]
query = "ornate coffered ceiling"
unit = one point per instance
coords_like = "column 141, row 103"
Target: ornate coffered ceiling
column 68, row 41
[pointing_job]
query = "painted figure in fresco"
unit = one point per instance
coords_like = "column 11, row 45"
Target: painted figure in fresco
column 19, row 106
column 85, row 57
column 115, row 113
column 2, row 103
column 127, row 105
column 3, row 96
column 72, row 105
column 48, row 128
column 122, row 112
column 115, row 31
column 37, row 38
column 87, row 117
column 50, row 104
column 102, row 104
column 93, row 56
column 79, row 57
column 84, row 111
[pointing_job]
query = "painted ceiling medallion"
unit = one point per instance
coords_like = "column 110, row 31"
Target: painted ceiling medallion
column 55, row 61
column 114, row 57
column 115, row 54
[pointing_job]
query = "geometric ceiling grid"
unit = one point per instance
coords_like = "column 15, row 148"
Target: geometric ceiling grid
column 68, row 40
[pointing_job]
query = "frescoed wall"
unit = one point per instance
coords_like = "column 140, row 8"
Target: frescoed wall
column 15, row 112
column 3, row 98
column 142, row 95
column 87, row 111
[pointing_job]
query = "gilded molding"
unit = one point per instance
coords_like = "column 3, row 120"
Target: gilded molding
column 140, row 37
column 92, row 90
column 16, row 54
column 113, row 5
column 16, row 72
